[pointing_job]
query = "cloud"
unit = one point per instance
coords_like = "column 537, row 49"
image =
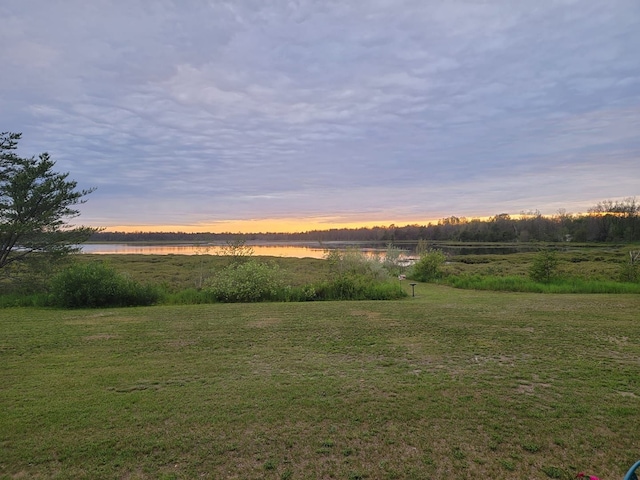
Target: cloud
column 203, row 112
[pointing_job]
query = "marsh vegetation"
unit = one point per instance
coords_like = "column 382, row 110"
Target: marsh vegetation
column 343, row 274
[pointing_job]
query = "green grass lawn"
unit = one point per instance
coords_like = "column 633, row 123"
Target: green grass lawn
column 447, row 384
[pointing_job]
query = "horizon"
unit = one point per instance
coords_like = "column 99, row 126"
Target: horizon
column 243, row 227
column 248, row 227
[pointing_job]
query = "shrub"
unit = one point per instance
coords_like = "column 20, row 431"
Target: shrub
column 544, row 266
column 251, row 281
column 355, row 276
column 429, row 266
column 355, row 262
column 97, row 285
column 630, row 272
column 392, row 260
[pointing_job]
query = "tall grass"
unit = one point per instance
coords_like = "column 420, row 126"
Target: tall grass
column 188, row 296
column 358, row 287
column 25, row 300
column 523, row 284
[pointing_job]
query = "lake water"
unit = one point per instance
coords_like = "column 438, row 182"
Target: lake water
column 283, row 250
column 295, row 250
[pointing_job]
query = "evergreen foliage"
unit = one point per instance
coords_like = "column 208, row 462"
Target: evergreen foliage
column 35, row 204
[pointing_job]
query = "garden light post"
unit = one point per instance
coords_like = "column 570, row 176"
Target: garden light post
column 413, row 289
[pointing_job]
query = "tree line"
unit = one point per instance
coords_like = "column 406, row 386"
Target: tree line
column 608, row 221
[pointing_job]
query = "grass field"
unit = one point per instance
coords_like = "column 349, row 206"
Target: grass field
column 448, row 384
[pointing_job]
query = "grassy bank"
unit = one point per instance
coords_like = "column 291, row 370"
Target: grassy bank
column 448, row 384
column 586, row 270
column 601, row 268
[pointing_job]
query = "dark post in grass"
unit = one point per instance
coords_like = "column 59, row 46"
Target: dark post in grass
column 413, row 289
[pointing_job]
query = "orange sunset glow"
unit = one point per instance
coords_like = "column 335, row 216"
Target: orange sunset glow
column 280, row 225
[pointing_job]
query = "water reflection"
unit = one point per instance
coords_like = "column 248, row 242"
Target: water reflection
column 299, row 250
column 292, row 251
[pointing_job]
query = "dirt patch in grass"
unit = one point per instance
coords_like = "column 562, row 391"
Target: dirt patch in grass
column 628, row 394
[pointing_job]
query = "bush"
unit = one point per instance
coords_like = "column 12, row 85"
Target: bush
column 544, row 266
column 393, row 260
column 353, row 276
column 428, row 267
column 97, row 285
column 630, row 272
column 356, row 276
column 251, row 281
column 355, row 262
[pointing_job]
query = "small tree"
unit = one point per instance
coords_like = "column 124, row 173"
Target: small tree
column 237, row 250
column 544, row 266
column 422, row 247
column 35, row 203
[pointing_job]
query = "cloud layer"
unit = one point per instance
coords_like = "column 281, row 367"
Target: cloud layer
column 200, row 112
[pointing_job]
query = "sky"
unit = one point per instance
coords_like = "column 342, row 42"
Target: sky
column 255, row 116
